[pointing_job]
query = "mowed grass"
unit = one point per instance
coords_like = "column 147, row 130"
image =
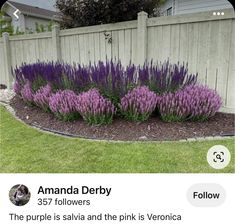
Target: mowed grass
column 26, row 150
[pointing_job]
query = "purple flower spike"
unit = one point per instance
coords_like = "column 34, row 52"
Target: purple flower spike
column 64, row 105
column 138, row 104
column 41, row 97
column 194, row 102
column 17, row 88
column 27, row 93
column 94, row 108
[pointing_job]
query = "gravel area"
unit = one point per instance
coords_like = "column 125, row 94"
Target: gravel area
column 6, row 95
column 153, row 129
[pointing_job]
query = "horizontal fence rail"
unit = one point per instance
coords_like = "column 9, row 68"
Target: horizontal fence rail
column 205, row 41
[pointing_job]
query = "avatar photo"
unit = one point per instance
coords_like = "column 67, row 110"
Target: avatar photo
column 19, row 195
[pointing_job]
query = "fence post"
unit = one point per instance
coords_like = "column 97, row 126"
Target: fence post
column 56, row 42
column 7, row 53
column 142, row 37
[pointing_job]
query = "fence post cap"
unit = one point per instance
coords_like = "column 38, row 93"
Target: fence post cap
column 142, row 13
column 55, row 26
column 5, row 34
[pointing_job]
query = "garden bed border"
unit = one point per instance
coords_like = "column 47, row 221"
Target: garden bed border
column 11, row 110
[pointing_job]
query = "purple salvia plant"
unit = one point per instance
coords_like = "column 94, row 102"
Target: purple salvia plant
column 41, row 73
column 138, row 104
column 41, row 97
column 110, row 77
column 27, row 93
column 64, row 105
column 94, row 108
column 166, row 77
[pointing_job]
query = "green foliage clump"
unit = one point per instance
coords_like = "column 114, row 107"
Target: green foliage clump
column 5, row 24
column 77, row 13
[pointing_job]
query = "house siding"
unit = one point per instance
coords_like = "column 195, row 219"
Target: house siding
column 165, row 6
column 193, row 6
column 25, row 22
column 20, row 23
column 30, row 22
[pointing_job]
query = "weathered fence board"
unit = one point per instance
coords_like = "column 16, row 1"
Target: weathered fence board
column 230, row 82
column 3, row 73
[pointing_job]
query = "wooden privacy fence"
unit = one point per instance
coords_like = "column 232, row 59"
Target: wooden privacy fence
column 205, row 41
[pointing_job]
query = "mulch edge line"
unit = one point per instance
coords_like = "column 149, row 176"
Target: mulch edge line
column 11, row 110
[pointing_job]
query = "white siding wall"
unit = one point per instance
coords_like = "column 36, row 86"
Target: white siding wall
column 167, row 4
column 20, row 23
column 193, row 6
column 24, row 21
column 30, row 22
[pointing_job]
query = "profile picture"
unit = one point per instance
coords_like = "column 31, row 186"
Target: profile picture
column 19, row 195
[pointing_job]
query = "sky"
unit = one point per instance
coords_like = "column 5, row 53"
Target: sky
column 45, row 4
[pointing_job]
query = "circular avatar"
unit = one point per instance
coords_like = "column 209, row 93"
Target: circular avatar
column 19, row 195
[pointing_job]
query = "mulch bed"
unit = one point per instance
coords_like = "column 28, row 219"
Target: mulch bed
column 153, row 129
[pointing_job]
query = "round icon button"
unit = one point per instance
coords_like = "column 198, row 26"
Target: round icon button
column 218, row 157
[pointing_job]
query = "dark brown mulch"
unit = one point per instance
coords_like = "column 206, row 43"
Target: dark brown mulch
column 120, row 129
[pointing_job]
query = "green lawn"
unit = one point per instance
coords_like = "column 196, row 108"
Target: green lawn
column 26, row 150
